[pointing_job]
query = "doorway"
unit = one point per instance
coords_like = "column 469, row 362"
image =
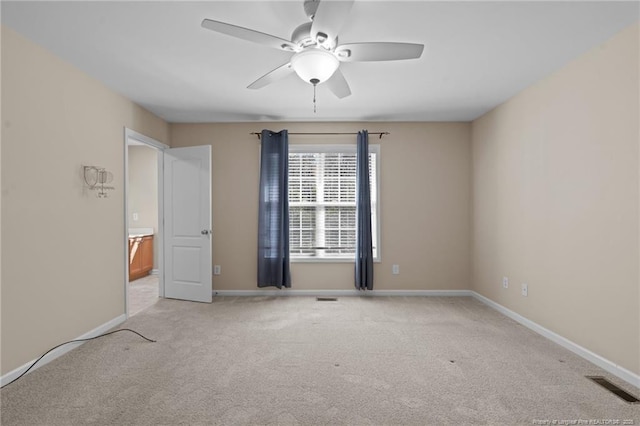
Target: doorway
column 182, row 229
column 143, row 280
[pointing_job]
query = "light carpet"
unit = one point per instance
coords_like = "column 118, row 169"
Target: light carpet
column 298, row 361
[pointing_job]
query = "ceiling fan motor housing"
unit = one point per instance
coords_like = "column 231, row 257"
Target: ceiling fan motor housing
column 302, row 35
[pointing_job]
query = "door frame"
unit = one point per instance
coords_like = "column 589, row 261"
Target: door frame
column 159, row 147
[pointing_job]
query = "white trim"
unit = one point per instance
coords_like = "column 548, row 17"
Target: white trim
column 428, row 293
column 146, row 140
column 609, row 366
column 338, row 293
column 326, row 260
column 125, row 195
column 326, row 148
column 160, row 236
column 10, row 376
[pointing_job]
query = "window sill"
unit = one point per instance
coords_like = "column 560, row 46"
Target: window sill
column 326, row 260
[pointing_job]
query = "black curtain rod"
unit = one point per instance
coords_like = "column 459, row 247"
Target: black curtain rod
column 380, row 134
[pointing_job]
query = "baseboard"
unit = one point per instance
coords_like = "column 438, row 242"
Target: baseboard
column 154, row 272
column 12, row 375
column 344, row 293
column 617, row 370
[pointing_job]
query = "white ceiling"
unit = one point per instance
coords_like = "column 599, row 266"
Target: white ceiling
column 477, row 54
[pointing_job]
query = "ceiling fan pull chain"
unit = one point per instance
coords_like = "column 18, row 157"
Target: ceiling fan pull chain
column 315, row 82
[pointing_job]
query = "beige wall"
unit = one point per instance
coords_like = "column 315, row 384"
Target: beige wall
column 63, row 248
column 424, row 199
column 143, row 191
column 555, row 201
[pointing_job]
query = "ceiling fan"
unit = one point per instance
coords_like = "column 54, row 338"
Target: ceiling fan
column 317, row 54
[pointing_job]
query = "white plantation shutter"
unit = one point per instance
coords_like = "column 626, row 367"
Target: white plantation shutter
column 322, row 201
column 302, row 198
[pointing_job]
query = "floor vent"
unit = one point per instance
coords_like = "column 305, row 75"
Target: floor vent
column 326, row 299
column 614, row 389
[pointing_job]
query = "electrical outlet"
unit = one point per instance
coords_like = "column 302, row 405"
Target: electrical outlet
column 525, row 289
column 395, row 269
column 216, row 270
column 505, row 282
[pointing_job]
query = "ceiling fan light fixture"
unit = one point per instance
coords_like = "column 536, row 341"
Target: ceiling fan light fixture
column 314, row 64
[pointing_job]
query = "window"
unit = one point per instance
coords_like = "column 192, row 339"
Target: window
column 322, row 201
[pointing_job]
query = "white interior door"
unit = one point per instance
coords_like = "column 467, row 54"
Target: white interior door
column 187, row 223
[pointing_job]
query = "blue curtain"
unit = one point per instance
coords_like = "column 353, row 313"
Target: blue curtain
column 273, row 211
column 364, row 245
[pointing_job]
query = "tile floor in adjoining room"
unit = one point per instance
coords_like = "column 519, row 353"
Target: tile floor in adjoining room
column 143, row 293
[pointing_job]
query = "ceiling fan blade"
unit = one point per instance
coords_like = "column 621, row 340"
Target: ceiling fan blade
column 329, row 19
column 382, row 51
column 338, row 85
column 249, row 35
column 281, row 72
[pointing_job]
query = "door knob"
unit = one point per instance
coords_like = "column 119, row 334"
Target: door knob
column 205, row 231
